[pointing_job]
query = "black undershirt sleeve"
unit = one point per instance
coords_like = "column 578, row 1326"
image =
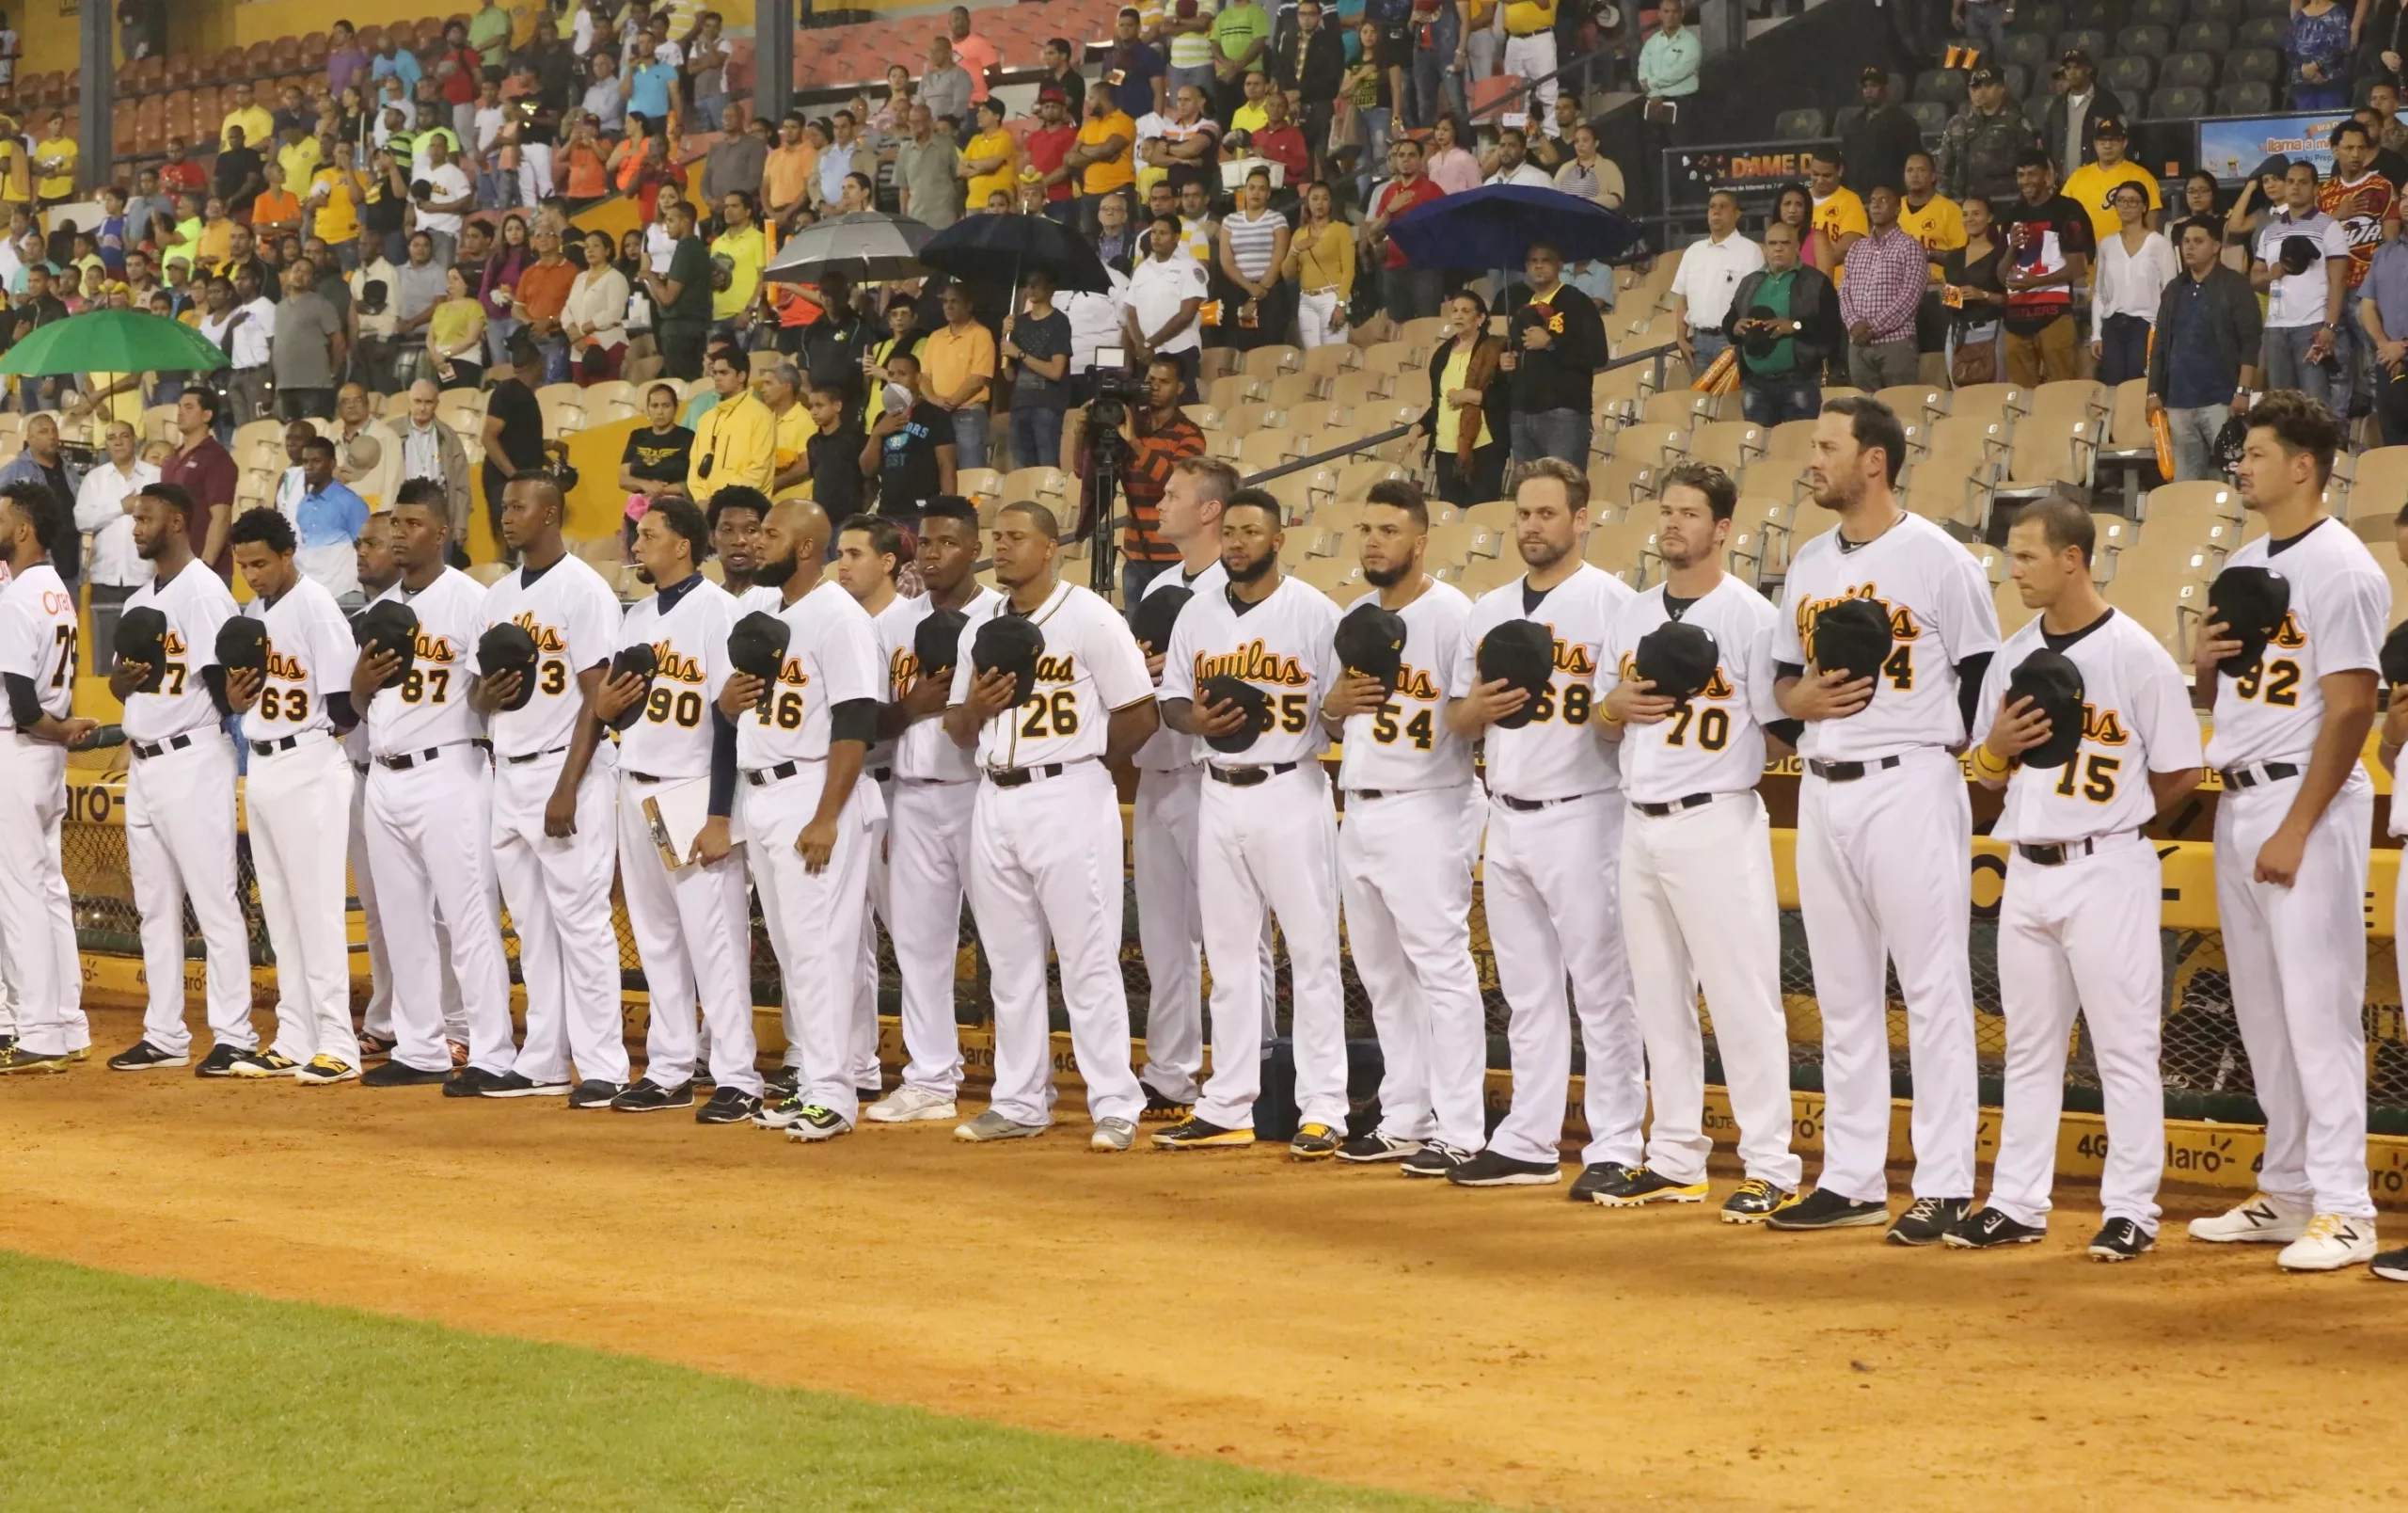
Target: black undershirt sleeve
column 854, row 720
column 1782, row 669
column 1786, row 731
column 1969, row 685
column 723, row 764
column 24, row 705
column 213, row 677
column 339, row 710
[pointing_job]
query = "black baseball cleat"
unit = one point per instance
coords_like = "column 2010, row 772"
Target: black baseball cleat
column 468, row 1082
column 2391, row 1265
column 1756, row 1201
column 16, row 1060
column 728, row 1106
column 1597, row 1176
column 595, row 1093
column 1643, row 1186
column 703, row 1077
column 146, row 1056
column 391, row 1074
column 1315, row 1142
column 220, row 1061
column 1820, row 1210
column 1489, row 1169
column 1368, row 1150
column 374, row 1048
column 1985, row 1229
column 649, row 1097
column 1160, row 1108
column 1434, row 1159
column 1194, row 1134
column 1929, row 1219
column 781, row 1083
column 520, row 1085
column 2120, row 1239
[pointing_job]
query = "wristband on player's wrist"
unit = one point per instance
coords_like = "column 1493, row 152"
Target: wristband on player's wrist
column 1989, row 763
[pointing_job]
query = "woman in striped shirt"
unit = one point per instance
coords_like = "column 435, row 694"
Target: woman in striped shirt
column 1254, row 245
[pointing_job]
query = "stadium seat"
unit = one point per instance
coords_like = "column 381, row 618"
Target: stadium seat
column 1295, row 387
column 1268, row 362
column 1333, row 359
column 2131, row 77
column 2264, row 32
column 1617, row 483
column 2110, row 534
column 2043, row 19
column 1305, row 542
column 1789, row 441
column 2248, row 98
column 1992, row 402
column 2145, row 41
column 2036, row 113
column 2018, row 79
column 1261, row 450
column 1215, row 362
column 1458, row 542
column 2210, row 37
column 2177, row 519
column 2194, row 70
column 1684, row 407
column 2379, row 484
column 1946, row 86
column 1798, row 125
column 2253, row 65
column 1730, row 445
column 1652, row 444
column 1916, row 404
column 1362, row 387
column 1341, row 578
column 2089, row 39
column 2026, row 51
column 1227, row 394
column 2090, row 13
column 2049, row 450
column 2160, row 13
column 2230, row 12
column 1932, row 117
column 2179, row 104
column 1952, row 480
column 2079, row 399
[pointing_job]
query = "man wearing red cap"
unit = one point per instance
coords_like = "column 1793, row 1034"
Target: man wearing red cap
column 1047, row 143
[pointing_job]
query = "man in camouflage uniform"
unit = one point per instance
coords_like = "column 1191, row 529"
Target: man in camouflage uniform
column 1978, row 149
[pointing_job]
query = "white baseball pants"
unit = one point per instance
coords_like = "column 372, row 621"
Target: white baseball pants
column 1171, row 931
column 866, row 1071
column 1275, row 845
column 36, row 915
column 1554, row 909
column 1320, row 321
column 430, row 843
column 928, row 856
column 2083, row 937
column 814, row 921
column 693, row 934
column 1045, row 862
column 1404, row 863
column 1699, row 908
column 377, row 1020
column 1533, row 57
column 1884, row 869
column 559, row 892
column 299, row 807
column 2297, row 960
column 535, row 184
column 179, row 845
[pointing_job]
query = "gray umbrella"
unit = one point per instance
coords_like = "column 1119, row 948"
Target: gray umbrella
column 865, row 245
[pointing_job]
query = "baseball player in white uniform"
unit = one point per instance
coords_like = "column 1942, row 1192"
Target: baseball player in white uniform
column 297, row 799
column 1884, row 829
column 1268, row 833
column 689, row 921
column 38, row 632
column 1405, row 857
column 1045, row 843
column 2084, row 886
column 1554, row 821
column 869, row 555
column 807, row 812
column 1698, row 905
column 180, row 799
column 2292, row 841
column 927, row 825
column 430, row 813
column 555, row 796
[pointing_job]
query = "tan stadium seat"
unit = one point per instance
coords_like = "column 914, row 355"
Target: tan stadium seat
column 1952, row 481
column 1618, row 392
column 1460, row 541
column 1422, row 332
column 1763, row 534
column 2189, row 513
column 611, row 391
column 1294, row 388
column 257, row 443
column 1330, row 360
column 397, row 406
column 1049, row 486
column 1993, row 561
column 463, row 409
column 1314, row 416
column 1791, row 441
column 2009, row 602
column 1394, row 358
column 1482, row 574
column 1308, row 541
column 1623, row 546
column 1205, row 417
column 1982, row 402
column 1294, row 493
column 1262, row 450
column 1225, row 394
column 563, row 414
column 1652, row 445
column 1684, row 407
column 2109, row 535
column 159, row 423
column 1332, row 514
column 1355, row 477
column 2073, row 399
column 1618, row 483
column 1216, row 362
column 1222, row 444
column 1844, row 391
column 1341, row 578
column 1916, row 404
column 1268, row 362
column 1497, row 514
column 2380, row 484
column 615, row 410
column 1730, row 445
column 1254, row 415
column 2048, row 450
column 978, row 485
column 490, row 573
column 1362, row 387
column 2128, row 425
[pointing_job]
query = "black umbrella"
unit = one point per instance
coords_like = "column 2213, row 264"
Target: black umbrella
column 982, row 249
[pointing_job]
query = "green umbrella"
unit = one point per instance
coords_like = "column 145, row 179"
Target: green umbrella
column 113, row 341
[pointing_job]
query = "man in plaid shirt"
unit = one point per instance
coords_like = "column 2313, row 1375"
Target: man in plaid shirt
column 1887, row 273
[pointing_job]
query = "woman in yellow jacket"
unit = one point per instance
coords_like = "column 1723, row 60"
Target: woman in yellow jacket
column 1321, row 258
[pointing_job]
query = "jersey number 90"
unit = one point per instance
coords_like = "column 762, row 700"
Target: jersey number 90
column 685, row 708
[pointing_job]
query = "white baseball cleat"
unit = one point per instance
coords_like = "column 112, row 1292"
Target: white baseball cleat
column 2257, row 1220
column 2331, row 1243
column 907, row 1105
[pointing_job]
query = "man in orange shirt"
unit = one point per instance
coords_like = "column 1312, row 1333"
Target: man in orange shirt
column 541, row 292
column 979, row 57
column 957, row 375
column 785, row 177
column 1101, row 158
column 277, row 210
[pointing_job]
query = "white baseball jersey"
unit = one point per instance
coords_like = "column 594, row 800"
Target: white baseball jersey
column 831, row 659
column 1716, row 743
column 762, row 598
column 1282, row 645
column 1940, row 614
column 1166, row 750
column 672, row 737
column 1089, row 671
column 309, row 655
column 1405, row 744
column 2136, row 719
column 195, row 602
column 2339, row 601
column 894, row 625
column 429, row 706
column 923, row 751
column 1558, row 755
column 37, row 640
column 575, row 619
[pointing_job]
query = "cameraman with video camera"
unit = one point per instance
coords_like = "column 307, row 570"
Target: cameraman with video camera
column 1141, row 437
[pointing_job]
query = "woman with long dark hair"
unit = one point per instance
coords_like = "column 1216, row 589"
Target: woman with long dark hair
column 510, row 260
column 1467, row 422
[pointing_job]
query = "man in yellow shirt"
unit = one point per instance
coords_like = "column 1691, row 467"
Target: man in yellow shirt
column 258, row 127
column 299, row 155
column 736, row 440
column 781, row 388
column 1839, row 213
column 957, row 374
column 746, row 251
column 54, row 160
column 2091, row 184
column 1928, row 216
column 336, row 193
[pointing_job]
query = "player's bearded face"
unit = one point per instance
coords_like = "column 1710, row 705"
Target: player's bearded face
column 774, row 571
column 1544, row 539
column 1836, row 486
column 1246, row 557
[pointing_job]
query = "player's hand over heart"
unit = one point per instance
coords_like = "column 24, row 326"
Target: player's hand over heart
column 1154, row 661
column 713, row 842
column 560, row 813
column 741, row 692
column 1356, row 693
column 371, row 673
column 2214, row 645
column 2278, row 860
column 814, row 845
column 990, row 693
column 1822, row 696
column 492, row 693
column 927, row 696
column 1634, row 701
column 1492, row 702
column 1217, row 719
column 2020, row 727
column 617, row 696
column 242, row 685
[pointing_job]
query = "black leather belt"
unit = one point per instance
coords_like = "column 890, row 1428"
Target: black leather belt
column 1531, row 805
column 1022, row 776
column 409, row 759
column 269, row 748
column 1249, row 776
column 2063, row 851
column 1657, row 811
column 1850, row 771
column 171, row 744
column 533, row 756
column 882, row 774
column 764, row 777
column 647, row 778
column 1706, row 330
column 2250, row 777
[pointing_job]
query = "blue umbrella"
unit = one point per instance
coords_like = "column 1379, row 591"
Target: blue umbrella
column 1492, row 227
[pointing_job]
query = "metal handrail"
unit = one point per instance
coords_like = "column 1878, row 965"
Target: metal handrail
column 1317, row 458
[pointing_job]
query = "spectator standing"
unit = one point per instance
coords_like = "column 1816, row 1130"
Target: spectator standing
column 455, row 333
column 308, row 345
column 459, row 79
column 706, row 67
column 1447, row 162
column 1590, row 173
column 1132, row 71
column 2319, row 43
column 2093, row 185
column 1710, row 273
column 395, row 61
column 1888, row 272
column 603, row 99
column 1037, row 343
column 204, row 469
column 736, row 440
column 419, row 286
column 1188, row 26
column 834, row 162
column 347, row 60
column 1437, row 76
column 1879, row 142
column 1159, row 436
column 1103, row 154
column 249, row 116
column 1187, row 146
column 786, row 173
column 594, row 320
column 1787, row 321
column 1280, row 142
column 513, row 432
column 2301, row 265
column 1838, row 215
column 1241, row 32
column 1939, row 223
column 1049, row 145
column 1467, row 391
column 1513, row 162
column 2049, row 251
column 1311, row 63
column 540, row 298
column 443, row 209
column 737, row 161
column 242, row 330
column 1985, row 22
column 1667, row 77
column 489, row 32
column 433, row 452
column 791, row 427
column 2366, row 205
column 1529, row 51
column 2382, row 309
column 1555, row 343
column 746, row 252
column 927, row 188
column 104, row 511
column 957, row 375
column 1320, row 259
column 328, row 521
column 2205, row 357
column 1166, row 292
column 1979, row 146
column 978, row 56
column 2134, row 266
column 1406, row 292
column 682, row 295
column 1059, row 58
column 44, row 462
column 1369, row 89
column 659, row 454
column 991, row 159
column 911, row 449
column 1249, row 248
column 2071, row 129
column 651, row 89
column 55, row 157
column 833, row 455
column 945, row 86
column 240, row 173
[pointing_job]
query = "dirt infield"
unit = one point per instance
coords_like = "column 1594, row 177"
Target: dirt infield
column 1337, row 1323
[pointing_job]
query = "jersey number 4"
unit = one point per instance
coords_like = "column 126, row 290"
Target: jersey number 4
column 1386, row 731
column 2278, row 683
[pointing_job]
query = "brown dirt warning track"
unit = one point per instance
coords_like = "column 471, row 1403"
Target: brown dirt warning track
column 1339, row 1323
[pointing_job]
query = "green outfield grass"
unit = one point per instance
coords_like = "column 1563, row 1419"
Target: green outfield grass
column 126, row 1393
